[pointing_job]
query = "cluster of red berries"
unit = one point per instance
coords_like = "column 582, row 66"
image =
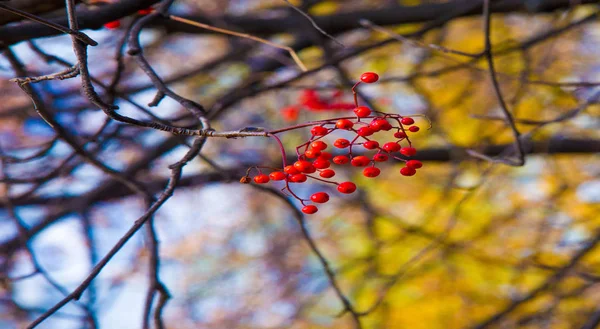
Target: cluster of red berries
column 314, row 159
column 116, row 24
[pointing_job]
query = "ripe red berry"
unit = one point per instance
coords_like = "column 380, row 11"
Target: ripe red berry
column 312, row 153
column 362, row 111
column 408, row 171
column 310, row 170
column 290, row 113
column 310, row 209
column 360, row 161
column 408, row 151
column 261, row 179
column 377, row 124
column 407, row 121
column 302, row 165
column 318, row 145
column 365, row 131
column 346, row 187
column 380, row 157
column 277, row 175
column 386, row 126
column 325, row 156
column 400, row 135
column 414, row 129
column 112, row 25
column 319, row 131
column 298, row 178
column 371, row 172
column 341, row 143
column 344, row 124
column 391, row 147
column 371, row 145
column 321, row 164
column 291, row 170
column 415, row 164
column 327, row 173
column 319, row 197
column 340, row 159
column 369, row 77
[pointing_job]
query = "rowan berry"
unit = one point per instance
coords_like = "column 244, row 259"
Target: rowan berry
column 341, row 143
column 362, row 111
column 415, row 164
column 112, row 25
column 391, row 147
column 371, row 145
column 325, row 156
column 340, row 159
column 312, row 153
column 344, row 124
column 298, row 178
column 321, row 164
column 310, row 170
column 380, row 157
column 277, row 175
column 371, row 172
column 369, row 77
column 377, row 124
column 408, row 151
column 261, row 179
column 318, row 145
column 302, row 165
column 346, row 187
column 291, row 170
column 386, row 126
column 408, row 171
column 400, row 134
column 365, row 131
column 414, row 129
column 327, row 173
column 360, row 161
column 319, row 131
column 407, row 121
column 319, row 197
column 310, row 209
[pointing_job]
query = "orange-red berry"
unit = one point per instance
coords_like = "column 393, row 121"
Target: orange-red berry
column 261, row 179
column 310, row 209
column 344, row 124
column 312, row 153
column 291, row 170
column 327, row 173
column 362, row 111
column 321, row 164
column 380, row 157
column 298, row 178
column 319, row 131
column 325, row 156
column 277, row 175
column 341, row 159
column 391, row 147
column 413, row 129
column 415, row 164
column 365, row 131
column 407, row 121
column 400, row 134
column 371, row 145
column 341, row 143
column 318, row 145
column 360, row 161
column 369, row 77
column 319, row 197
column 408, row 151
column 371, row 172
column 408, row 171
column 346, row 187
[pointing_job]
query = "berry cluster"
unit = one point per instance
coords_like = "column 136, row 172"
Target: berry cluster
column 311, row 101
column 315, row 162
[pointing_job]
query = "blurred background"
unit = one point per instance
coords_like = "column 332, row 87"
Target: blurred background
column 466, row 243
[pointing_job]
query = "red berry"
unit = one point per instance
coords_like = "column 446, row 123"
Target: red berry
column 145, row 11
column 318, row 145
column 277, row 175
column 400, row 135
column 112, row 25
column 310, row 209
column 291, row 170
column 360, row 161
column 371, row 145
column 365, row 131
column 386, row 126
column 380, row 157
column 391, row 147
column 408, row 171
column 310, row 170
column 321, row 164
column 298, row 178
column 369, row 77
column 344, row 124
column 319, row 197
column 325, row 156
column 290, row 113
column 261, row 179
column 311, row 154
column 414, row 129
column 362, row 111
column 327, row 173
column 346, row 187
column 407, row 121
column 319, row 131
column 302, row 165
column 341, row 143
column 340, row 159
column 415, row 164
column 408, row 151
column 378, row 124
column 371, row 172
